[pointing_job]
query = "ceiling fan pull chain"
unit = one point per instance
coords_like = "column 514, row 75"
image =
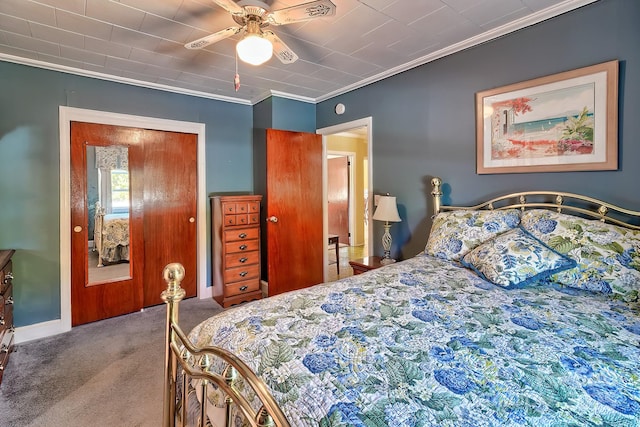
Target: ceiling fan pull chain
column 236, row 78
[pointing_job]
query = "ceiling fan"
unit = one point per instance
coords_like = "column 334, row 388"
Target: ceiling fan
column 253, row 16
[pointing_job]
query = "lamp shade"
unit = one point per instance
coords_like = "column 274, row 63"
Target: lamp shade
column 387, row 209
column 254, row 50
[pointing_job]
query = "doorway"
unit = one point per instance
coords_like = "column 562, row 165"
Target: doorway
column 146, row 185
column 340, row 195
column 66, row 116
column 351, row 140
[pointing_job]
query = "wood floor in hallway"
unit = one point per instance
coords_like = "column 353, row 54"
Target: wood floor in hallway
column 345, row 253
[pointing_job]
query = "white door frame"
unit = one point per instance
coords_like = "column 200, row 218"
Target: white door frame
column 330, row 130
column 66, row 116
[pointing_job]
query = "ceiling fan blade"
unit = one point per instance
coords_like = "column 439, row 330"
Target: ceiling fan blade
column 302, row 12
column 212, row 38
column 230, row 6
column 280, row 49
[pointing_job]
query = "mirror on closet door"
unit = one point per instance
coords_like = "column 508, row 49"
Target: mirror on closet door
column 108, row 203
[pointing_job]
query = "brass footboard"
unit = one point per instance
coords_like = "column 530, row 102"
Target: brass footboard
column 184, row 362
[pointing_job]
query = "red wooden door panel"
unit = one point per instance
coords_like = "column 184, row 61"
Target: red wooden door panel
column 96, row 301
column 338, row 197
column 295, row 246
column 170, row 208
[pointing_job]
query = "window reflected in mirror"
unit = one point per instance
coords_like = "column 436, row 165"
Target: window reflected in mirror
column 108, row 202
column 119, row 190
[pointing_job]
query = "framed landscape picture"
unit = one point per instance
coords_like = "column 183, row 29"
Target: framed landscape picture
column 558, row 123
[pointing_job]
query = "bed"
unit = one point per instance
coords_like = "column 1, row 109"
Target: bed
column 522, row 310
column 111, row 236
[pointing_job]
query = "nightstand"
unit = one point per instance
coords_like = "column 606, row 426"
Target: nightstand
column 365, row 264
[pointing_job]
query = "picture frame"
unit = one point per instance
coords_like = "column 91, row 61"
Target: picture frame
column 563, row 122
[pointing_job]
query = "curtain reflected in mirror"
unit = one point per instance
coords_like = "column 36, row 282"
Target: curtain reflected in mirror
column 108, row 206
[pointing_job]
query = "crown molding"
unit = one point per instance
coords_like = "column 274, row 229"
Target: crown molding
column 542, row 15
column 292, row 96
column 271, row 93
column 118, row 79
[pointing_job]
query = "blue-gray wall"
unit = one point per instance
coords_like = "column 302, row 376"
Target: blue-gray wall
column 424, row 119
column 29, row 164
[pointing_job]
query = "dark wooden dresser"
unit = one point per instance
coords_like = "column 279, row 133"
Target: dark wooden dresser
column 235, row 264
column 6, row 308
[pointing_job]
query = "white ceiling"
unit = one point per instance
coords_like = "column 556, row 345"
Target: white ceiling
column 142, row 41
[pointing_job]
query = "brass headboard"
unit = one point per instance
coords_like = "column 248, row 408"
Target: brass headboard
column 555, row 200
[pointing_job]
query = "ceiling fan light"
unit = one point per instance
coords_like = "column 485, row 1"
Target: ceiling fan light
column 254, row 50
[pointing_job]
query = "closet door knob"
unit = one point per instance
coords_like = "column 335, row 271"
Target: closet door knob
column 273, row 219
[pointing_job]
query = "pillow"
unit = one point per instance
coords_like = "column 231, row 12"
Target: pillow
column 454, row 233
column 514, row 259
column 607, row 256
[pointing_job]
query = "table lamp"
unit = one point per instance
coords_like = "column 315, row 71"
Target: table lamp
column 387, row 211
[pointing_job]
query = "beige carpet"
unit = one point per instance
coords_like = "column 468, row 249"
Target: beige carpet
column 107, row 373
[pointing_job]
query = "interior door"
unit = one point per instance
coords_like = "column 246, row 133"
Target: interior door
column 96, row 300
column 295, row 246
column 338, row 197
column 170, row 208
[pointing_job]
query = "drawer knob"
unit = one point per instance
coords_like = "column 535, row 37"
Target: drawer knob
column 243, row 247
column 243, row 288
column 242, row 235
column 243, row 273
column 9, row 301
column 2, row 322
column 7, row 278
column 243, row 260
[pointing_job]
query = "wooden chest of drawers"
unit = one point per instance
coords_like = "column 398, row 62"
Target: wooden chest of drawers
column 6, row 308
column 235, row 264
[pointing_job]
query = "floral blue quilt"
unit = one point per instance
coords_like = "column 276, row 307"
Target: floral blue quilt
column 426, row 342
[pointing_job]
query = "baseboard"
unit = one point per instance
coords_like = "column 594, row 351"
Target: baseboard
column 264, row 287
column 39, row 330
column 54, row 327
